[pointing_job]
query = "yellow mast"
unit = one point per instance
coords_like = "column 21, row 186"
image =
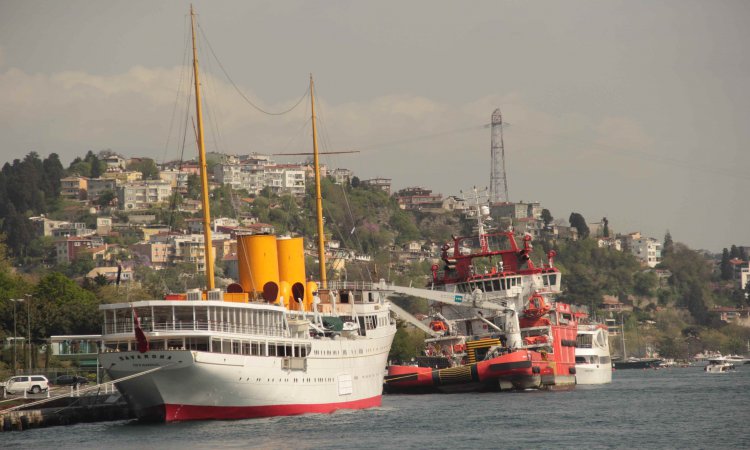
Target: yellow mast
column 318, row 197
column 202, row 160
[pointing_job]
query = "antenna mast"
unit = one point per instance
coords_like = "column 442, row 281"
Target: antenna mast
column 498, row 180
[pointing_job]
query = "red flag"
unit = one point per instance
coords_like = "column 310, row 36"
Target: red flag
column 140, row 336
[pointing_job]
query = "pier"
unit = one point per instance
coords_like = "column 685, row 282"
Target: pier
column 70, row 406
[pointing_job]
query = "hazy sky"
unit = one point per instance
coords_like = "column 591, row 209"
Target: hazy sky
column 635, row 110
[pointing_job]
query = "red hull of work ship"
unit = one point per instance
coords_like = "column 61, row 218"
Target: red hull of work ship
column 517, row 370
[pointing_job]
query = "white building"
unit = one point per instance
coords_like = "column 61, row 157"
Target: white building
column 744, row 277
column 143, row 194
column 647, row 250
column 288, row 179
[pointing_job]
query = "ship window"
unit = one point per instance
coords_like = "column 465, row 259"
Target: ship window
column 195, row 343
column 271, row 349
column 175, row 344
column 246, row 348
column 216, row 345
column 236, row 348
column 580, row 360
column 496, row 285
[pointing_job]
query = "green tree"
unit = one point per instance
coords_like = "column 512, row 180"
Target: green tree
column 60, row 306
column 691, row 277
column 645, row 283
column 194, row 186
column 725, row 266
column 147, row 167
column 547, row 217
column 577, row 221
column 408, row 343
column 668, row 246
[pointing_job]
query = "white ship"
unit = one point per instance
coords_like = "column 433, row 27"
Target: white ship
column 273, row 344
column 221, row 359
column 593, row 361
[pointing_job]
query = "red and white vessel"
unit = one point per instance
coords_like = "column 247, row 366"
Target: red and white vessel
column 273, row 344
column 495, row 325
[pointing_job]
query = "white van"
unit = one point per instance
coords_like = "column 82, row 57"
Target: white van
column 29, row 383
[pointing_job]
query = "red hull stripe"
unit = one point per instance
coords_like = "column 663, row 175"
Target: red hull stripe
column 197, row 412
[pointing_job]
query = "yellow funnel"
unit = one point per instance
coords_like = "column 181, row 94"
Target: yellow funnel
column 258, row 262
column 291, row 254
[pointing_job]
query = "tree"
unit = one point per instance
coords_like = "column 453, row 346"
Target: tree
column 577, row 221
column 147, row 167
column 605, row 231
column 668, row 246
column 725, row 266
column 645, row 284
column 547, row 217
column 355, row 182
column 407, row 344
column 62, row 307
column 105, row 198
column 194, row 186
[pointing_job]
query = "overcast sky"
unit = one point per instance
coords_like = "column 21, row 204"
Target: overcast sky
column 635, row 110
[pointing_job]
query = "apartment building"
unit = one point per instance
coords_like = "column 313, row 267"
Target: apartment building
column 74, row 188
column 143, row 194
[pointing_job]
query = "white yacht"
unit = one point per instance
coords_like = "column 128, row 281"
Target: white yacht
column 593, row 361
column 719, row 365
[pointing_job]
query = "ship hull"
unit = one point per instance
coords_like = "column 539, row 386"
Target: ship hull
column 637, row 364
column 593, row 374
column 179, row 385
column 517, row 370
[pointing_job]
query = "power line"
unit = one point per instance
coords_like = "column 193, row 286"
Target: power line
column 240, row 91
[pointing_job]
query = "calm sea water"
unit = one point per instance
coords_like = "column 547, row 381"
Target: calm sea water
column 668, row 408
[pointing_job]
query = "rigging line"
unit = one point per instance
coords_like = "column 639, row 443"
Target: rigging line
column 354, row 242
column 423, row 137
column 352, row 237
column 210, row 90
column 184, row 69
column 294, row 137
column 238, row 89
column 182, row 149
column 633, row 153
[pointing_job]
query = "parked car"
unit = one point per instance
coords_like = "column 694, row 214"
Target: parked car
column 70, row 380
column 29, row 383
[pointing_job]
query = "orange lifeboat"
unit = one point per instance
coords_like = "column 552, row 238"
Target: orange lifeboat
column 438, row 325
column 538, row 306
column 534, row 340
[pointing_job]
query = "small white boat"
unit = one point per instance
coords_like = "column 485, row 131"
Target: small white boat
column 593, row 362
column 719, row 365
column 736, row 359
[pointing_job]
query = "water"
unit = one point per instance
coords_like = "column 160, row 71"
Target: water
column 668, row 408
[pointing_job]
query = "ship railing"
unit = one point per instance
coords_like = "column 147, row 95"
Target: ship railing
column 354, row 285
column 207, row 326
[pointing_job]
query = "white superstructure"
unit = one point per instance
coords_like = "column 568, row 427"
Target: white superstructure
column 593, row 361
